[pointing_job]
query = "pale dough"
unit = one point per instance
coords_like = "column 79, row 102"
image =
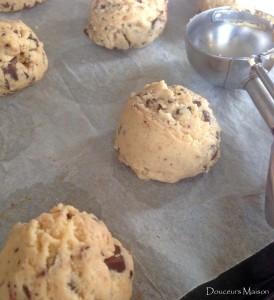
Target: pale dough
column 64, row 255
column 167, row 133
column 124, row 24
column 15, row 5
column 22, row 57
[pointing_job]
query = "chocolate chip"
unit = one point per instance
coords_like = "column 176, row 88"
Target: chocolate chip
column 11, row 69
column 86, row 31
column 72, row 286
column 154, row 22
column 127, row 39
column 149, row 103
column 16, row 250
column 69, row 216
column 160, row 107
column 198, row 103
column 82, row 250
column 116, row 263
column 189, row 108
column 31, row 37
column 42, row 273
column 130, row 274
column 179, row 111
column 117, row 250
column 206, row 116
column 27, row 292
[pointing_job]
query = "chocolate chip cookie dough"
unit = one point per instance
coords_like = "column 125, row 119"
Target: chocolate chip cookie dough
column 124, row 24
column 15, row 5
column 64, row 255
column 22, row 57
column 167, row 133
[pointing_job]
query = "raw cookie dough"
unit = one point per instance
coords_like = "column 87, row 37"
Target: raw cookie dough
column 167, row 133
column 22, row 57
column 124, row 24
column 14, row 5
column 64, row 255
column 207, row 4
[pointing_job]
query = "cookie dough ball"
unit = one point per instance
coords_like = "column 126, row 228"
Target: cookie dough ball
column 64, row 255
column 207, row 4
column 124, row 24
column 15, row 5
column 167, row 133
column 22, row 57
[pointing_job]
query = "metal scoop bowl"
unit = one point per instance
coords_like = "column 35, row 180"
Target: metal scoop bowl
column 234, row 49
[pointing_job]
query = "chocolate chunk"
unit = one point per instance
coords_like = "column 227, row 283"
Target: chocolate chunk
column 27, row 292
column 206, row 116
column 126, row 38
column 198, row 103
column 86, row 31
column 179, row 111
column 189, row 108
column 153, row 23
column 72, row 286
column 42, row 273
column 149, row 103
column 116, row 263
column 31, row 37
column 11, row 69
column 69, row 216
column 117, row 250
column 160, row 107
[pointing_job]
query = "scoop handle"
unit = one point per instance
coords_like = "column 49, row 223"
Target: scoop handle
column 261, row 94
column 262, row 73
column 269, row 197
column 262, row 99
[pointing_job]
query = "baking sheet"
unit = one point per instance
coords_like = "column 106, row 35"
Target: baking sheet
column 56, row 145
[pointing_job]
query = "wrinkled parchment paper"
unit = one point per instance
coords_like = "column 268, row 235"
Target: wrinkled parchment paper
column 56, row 145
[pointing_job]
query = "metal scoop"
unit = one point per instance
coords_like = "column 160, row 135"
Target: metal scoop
column 235, row 49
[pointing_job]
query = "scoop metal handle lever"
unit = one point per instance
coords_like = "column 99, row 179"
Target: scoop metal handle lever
column 261, row 90
column 269, row 198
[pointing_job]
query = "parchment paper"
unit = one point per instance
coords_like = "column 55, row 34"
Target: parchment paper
column 56, row 144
